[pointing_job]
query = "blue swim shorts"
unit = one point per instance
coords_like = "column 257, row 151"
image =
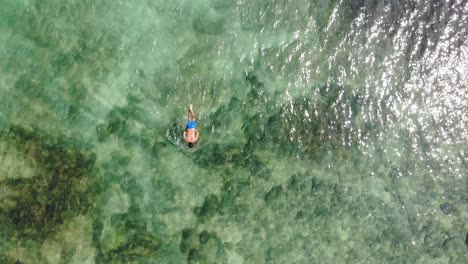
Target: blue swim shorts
column 191, row 124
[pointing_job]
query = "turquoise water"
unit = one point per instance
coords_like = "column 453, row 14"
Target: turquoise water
column 331, row 131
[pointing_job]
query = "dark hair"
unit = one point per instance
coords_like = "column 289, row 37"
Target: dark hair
column 190, row 145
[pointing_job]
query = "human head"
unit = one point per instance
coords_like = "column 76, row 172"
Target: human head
column 190, row 145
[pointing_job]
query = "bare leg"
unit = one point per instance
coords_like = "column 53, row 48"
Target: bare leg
column 191, row 114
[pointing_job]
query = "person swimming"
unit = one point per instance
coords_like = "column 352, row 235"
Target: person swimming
column 191, row 132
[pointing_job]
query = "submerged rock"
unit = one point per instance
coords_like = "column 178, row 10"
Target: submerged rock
column 257, row 168
column 209, row 208
column 204, row 237
column 273, row 194
column 204, row 247
column 117, row 121
column 447, row 208
column 193, row 256
column 316, row 185
column 254, row 80
column 209, row 23
column 300, row 215
column 186, row 242
column 466, row 239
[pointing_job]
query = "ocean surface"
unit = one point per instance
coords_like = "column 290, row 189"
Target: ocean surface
column 332, row 131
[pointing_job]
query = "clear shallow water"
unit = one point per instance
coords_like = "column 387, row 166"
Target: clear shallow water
column 331, row 132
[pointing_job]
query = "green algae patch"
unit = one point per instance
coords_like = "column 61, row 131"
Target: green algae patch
column 132, row 247
column 59, row 187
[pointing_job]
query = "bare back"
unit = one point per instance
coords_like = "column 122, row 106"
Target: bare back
column 191, row 132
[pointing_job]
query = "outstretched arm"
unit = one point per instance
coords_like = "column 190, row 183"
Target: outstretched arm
column 191, row 114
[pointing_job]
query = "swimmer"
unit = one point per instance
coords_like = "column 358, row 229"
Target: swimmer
column 191, row 132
